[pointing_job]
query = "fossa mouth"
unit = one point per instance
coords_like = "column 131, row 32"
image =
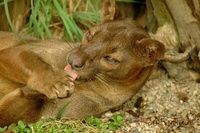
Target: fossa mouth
column 72, row 73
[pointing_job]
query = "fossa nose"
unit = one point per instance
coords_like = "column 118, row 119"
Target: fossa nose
column 76, row 61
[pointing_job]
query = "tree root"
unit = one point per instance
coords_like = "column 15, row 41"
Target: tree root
column 179, row 57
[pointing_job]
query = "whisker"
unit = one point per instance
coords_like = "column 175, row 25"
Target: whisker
column 103, row 82
column 106, row 79
column 107, row 82
column 72, row 45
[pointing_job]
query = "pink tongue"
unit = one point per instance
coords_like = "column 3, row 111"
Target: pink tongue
column 70, row 72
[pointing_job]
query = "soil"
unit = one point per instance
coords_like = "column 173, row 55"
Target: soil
column 163, row 105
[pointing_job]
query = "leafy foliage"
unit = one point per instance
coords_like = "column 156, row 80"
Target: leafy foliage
column 117, row 121
column 90, row 124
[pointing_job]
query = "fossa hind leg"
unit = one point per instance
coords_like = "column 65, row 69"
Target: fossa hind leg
column 16, row 106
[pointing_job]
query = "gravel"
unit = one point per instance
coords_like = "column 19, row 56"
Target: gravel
column 163, row 105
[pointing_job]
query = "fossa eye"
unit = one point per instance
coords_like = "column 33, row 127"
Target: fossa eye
column 110, row 60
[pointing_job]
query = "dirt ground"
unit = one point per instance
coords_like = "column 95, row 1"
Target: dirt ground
column 163, row 105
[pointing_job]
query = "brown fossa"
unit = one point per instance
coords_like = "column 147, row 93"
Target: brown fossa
column 108, row 67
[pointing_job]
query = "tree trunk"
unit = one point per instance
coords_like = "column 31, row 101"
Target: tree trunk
column 177, row 24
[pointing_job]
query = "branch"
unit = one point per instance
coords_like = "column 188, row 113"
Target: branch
column 179, row 57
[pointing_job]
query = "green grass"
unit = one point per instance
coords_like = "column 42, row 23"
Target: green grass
column 131, row 1
column 90, row 124
column 5, row 3
column 46, row 15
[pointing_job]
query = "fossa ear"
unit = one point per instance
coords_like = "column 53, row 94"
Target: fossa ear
column 111, row 12
column 152, row 50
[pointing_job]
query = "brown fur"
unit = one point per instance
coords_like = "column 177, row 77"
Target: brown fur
column 113, row 62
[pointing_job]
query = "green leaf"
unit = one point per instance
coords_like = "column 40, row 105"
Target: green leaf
column 118, row 119
column 90, row 120
column 21, row 125
column 2, row 130
column 112, row 127
column 40, row 123
column 1, row 3
column 97, row 121
column 62, row 111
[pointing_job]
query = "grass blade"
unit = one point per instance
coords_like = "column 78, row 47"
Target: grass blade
column 58, row 117
column 9, row 20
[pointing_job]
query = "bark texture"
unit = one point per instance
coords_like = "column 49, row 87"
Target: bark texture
column 177, row 24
